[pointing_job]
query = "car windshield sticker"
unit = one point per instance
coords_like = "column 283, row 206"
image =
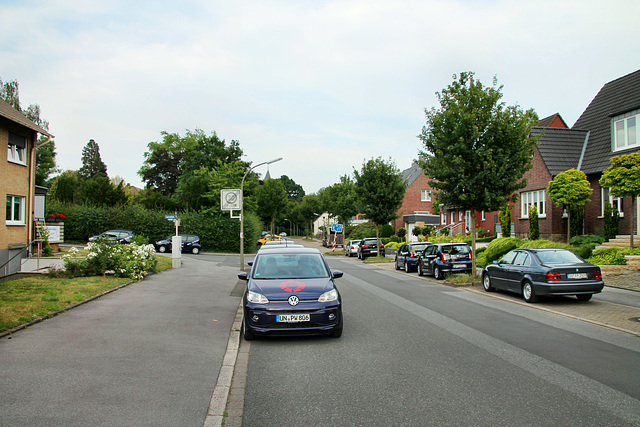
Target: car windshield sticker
column 285, row 286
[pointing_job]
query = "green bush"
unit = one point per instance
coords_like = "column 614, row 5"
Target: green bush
column 386, row 231
column 587, row 238
column 498, row 247
column 612, row 256
column 392, row 245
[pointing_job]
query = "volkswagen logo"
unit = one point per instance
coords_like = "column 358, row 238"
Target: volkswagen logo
column 294, row 300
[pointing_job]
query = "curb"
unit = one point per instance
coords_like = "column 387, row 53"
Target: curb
column 218, row 403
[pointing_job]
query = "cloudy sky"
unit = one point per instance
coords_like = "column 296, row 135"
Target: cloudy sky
column 324, row 84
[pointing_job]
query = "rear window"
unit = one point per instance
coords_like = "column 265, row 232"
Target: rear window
column 561, row 256
column 289, row 266
column 456, row 249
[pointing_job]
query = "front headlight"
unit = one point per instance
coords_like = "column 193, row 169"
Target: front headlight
column 257, row 298
column 331, row 295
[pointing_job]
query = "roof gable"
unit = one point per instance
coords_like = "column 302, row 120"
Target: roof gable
column 616, row 97
column 16, row 116
column 559, row 148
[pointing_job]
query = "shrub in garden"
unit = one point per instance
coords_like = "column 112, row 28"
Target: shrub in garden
column 498, row 247
column 534, row 228
column 402, row 232
column 611, row 221
column 504, row 217
column 608, row 256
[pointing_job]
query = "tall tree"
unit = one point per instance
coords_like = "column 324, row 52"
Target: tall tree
column 293, row 189
column 476, row 149
column 340, row 199
column 380, row 189
column 92, row 164
column 569, row 189
column 623, row 179
column 272, row 201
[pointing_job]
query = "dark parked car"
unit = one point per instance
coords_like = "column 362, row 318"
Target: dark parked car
column 120, row 236
column 442, row 258
column 369, row 247
column 291, row 291
column 190, row 243
column 408, row 255
column 534, row 272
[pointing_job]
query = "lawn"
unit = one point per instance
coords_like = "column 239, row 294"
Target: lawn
column 26, row 299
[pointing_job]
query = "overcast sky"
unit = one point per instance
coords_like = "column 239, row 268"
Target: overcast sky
column 324, row 84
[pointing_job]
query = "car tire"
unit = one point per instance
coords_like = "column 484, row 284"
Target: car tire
column 162, row 249
column 437, row 274
column 248, row 336
column 396, row 263
column 527, row 292
column 486, row 283
column 420, row 270
column 195, row 251
column 407, row 269
column 337, row 333
column 584, row 297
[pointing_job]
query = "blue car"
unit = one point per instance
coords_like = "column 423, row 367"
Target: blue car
column 445, row 258
column 408, row 255
column 291, row 291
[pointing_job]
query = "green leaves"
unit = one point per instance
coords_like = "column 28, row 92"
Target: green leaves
column 570, row 188
column 380, row 187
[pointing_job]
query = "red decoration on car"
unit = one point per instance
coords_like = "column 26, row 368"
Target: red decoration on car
column 284, row 286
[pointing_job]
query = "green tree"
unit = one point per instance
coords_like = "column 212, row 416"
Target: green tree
column 401, row 233
column 161, row 166
column 534, row 228
column 64, row 186
column 505, row 220
column 611, row 221
column 293, row 189
column 272, row 201
column 623, row 179
column 92, row 164
column 310, row 208
column 417, row 231
column 339, row 200
column 380, row 189
column 569, row 189
column 476, row 148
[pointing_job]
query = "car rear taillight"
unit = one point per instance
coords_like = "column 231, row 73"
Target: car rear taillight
column 445, row 258
column 381, row 245
column 365, row 247
column 597, row 275
column 552, row 277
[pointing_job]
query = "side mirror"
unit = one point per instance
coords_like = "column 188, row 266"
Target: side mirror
column 250, row 263
column 243, row 276
column 337, row 274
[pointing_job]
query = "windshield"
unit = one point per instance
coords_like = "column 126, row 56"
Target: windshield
column 289, row 266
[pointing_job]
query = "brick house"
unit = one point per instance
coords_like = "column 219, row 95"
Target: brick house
column 18, row 138
column 607, row 128
column 417, row 205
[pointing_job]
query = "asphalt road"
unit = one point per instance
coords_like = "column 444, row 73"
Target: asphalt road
column 415, row 352
column 146, row 355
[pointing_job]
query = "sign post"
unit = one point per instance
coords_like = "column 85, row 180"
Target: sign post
column 176, row 242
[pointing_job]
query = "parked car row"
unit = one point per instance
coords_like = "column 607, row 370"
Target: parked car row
column 530, row 272
column 363, row 248
column 190, row 242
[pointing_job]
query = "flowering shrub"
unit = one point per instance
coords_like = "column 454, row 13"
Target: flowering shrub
column 133, row 261
column 56, row 216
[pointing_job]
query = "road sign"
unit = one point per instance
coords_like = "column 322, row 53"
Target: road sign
column 170, row 217
column 230, row 200
column 336, row 228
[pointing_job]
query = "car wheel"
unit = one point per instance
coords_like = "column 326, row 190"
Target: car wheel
column 397, row 266
column 420, row 271
column 584, row 297
column 248, row 336
column 407, row 269
column 195, row 251
column 486, row 283
column 162, row 249
column 437, row 274
column 337, row 333
column 527, row 292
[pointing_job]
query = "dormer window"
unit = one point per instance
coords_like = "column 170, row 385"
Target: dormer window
column 625, row 131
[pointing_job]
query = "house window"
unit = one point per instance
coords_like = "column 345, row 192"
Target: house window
column 484, row 216
column 15, row 210
column 532, row 198
column 616, row 202
column 625, row 131
column 425, row 196
column 17, row 150
column 453, row 217
column 443, row 219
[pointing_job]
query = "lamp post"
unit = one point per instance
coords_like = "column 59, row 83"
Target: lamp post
column 242, row 209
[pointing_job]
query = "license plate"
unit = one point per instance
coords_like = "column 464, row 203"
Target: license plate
column 577, row 276
column 293, row 318
column 459, row 265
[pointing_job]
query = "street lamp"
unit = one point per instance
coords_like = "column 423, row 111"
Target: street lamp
column 242, row 209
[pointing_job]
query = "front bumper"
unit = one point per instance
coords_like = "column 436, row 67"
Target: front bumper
column 322, row 321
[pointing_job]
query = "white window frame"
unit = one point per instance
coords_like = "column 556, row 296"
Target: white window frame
column 615, row 201
column 484, row 217
column 533, row 198
column 624, row 135
column 425, row 195
column 17, row 154
column 14, row 202
column 443, row 218
column 453, row 217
